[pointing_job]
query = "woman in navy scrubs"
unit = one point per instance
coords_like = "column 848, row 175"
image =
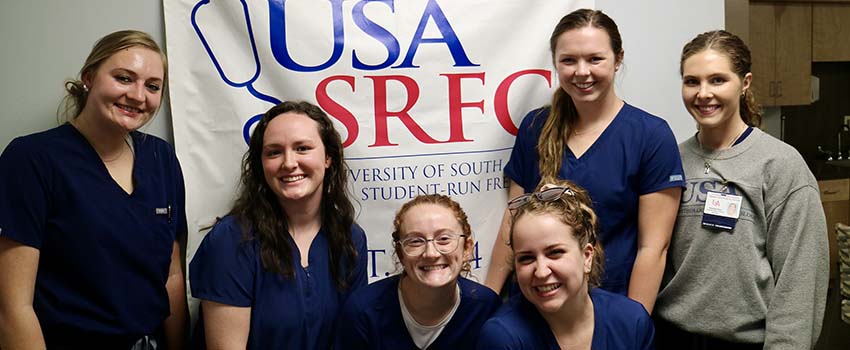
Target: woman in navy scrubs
column 91, row 213
column 275, row 271
column 625, row 157
column 558, row 261
column 427, row 306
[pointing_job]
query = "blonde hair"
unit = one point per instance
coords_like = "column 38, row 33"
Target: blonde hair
column 75, row 91
column 574, row 210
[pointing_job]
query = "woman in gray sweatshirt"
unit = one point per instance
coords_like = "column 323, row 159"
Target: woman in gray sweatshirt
column 755, row 276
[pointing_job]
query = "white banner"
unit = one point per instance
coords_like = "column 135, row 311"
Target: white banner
column 426, row 94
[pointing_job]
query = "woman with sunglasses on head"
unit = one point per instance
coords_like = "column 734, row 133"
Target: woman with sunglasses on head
column 91, row 213
column 274, row 273
column 429, row 305
column 558, row 260
column 754, row 277
column 625, row 157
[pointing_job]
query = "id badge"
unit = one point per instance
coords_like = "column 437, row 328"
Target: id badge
column 721, row 210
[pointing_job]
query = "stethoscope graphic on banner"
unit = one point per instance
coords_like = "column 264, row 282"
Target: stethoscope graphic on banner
column 248, row 84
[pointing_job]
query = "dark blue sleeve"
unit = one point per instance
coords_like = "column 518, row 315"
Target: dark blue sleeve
column 358, row 276
column 223, row 269
column 521, row 166
column 645, row 333
column 352, row 330
column 495, row 336
column 24, row 194
column 495, row 302
column 661, row 165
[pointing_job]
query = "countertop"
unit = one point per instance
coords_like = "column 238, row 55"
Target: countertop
column 829, row 170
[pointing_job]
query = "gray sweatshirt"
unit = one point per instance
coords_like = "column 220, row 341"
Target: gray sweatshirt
column 766, row 279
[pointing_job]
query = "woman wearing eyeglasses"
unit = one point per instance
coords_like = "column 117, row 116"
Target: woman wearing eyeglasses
column 557, row 260
column 429, row 305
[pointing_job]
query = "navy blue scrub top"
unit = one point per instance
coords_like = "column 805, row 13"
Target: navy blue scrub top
column 619, row 323
column 286, row 313
column 371, row 318
column 104, row 254
column 635, row 155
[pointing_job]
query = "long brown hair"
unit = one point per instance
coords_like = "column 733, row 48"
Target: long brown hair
column 574, row 210
column 563, row 114
column 259, row 210
column 739, row 55
column 76, row 92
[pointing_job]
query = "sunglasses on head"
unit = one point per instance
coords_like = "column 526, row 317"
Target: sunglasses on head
column 545, row 195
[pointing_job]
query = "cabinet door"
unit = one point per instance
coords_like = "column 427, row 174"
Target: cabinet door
column 793, row 54
column 830, row 32
column 763, row 50
column 737, row 16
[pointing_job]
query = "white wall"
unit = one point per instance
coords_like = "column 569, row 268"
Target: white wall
column 44, row 42
column 654, row 33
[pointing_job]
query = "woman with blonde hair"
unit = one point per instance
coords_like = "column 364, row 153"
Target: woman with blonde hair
column 92, row 205
column 558, row 262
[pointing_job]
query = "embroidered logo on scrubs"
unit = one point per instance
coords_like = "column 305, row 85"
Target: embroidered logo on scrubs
column 164, row 211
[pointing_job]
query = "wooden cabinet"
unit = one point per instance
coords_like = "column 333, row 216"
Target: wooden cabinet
column 830, row 32
column 737, row 17
column 835, row 196
column 781, row 46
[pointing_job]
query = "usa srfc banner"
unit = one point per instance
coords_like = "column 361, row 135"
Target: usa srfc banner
column 426, row 94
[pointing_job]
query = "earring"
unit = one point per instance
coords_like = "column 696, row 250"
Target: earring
column 85, row 88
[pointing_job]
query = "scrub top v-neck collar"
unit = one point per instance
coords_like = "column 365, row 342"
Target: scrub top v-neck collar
column 306, row 280
column 104, row 172
column 588, row 154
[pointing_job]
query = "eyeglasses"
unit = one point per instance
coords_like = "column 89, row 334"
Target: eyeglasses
column 445, row 243
column 547, row 195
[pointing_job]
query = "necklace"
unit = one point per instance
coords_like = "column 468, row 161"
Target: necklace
column 577, row 133
column 590, row 129
column 124, row 148
column 707, row 161
column 126, row 144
